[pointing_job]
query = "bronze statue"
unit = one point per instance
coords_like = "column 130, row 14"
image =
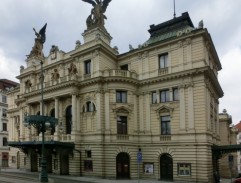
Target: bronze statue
column 96, row 18
column 37, row 49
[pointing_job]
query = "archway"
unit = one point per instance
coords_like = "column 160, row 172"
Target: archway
column 166, row 167
column 122, row 166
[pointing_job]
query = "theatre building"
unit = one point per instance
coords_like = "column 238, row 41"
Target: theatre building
column 159, row 100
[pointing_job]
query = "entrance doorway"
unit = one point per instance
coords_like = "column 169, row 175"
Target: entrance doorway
column 122, row 166
column 64, row 164
column 166, row 167
column 34, row 161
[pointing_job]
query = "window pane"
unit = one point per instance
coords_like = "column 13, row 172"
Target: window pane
column 175, row 94
column 121, row 125
column 163, row 61
column 154, row 97
column 124, row 97
column 165, row 96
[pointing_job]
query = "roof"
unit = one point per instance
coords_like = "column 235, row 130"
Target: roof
column 238, row 126
column 170, row 28
column 5, row 83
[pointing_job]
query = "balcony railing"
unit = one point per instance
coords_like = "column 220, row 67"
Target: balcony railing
column 122, row 137
column 163, row 71
column 165, row 138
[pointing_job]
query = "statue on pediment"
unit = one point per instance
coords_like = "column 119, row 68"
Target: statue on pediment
column 96, row 18
column 37, row 49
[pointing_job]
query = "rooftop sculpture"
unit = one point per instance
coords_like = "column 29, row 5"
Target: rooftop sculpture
column 37, row 49
column 96, row 18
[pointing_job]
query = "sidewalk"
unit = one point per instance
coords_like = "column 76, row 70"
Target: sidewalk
column 72, row 179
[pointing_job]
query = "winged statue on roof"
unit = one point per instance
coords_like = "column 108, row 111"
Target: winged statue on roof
column 37, row 49
column 97, row 16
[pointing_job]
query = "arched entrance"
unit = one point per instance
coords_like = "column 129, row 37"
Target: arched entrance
column 122, row 166
column 166, row 167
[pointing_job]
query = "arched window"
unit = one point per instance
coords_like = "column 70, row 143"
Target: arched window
column 52, row 114
column 68, row 119
column 5, row 141
column 89, row 107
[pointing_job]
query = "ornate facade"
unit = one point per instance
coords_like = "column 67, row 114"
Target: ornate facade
column 160, row 99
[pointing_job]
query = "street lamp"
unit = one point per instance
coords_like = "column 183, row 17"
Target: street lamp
column 41, row 123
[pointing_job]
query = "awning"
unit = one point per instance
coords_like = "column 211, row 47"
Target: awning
column 26, row 145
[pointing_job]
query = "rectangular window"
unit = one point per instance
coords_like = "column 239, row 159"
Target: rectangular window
column 165, row 96
column 87, row 67
column 175, row 94
column 154, row 97
column 4, row 126
column 4, row 99
column 165, row 125
column 184, row 169
column 124, row 67
column 121, row 96
column 122, row 125
column 88, row 165
column 163, row 61
column 4, row 114
column 88, row 154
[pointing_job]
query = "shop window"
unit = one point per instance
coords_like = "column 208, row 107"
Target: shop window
column 88, row 165
column 184, row 169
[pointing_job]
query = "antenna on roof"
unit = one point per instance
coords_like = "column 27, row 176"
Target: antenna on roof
column 174, row 2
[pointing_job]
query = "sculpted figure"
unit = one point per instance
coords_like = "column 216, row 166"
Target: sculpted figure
column 72, row 69
column 38, row 44
column 55, row 74
column 96, row 18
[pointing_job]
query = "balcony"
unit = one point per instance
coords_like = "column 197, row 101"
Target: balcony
column 122, row 137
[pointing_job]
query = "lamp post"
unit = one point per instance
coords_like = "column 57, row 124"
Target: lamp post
column 42, row 123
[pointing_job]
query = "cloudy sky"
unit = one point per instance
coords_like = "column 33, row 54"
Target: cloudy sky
column 128, row 22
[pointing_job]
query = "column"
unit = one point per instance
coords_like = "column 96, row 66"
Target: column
column 21, row 123
column 190, row 108
column 56, row 114
column 135, row 96
column 73, row 113
column 98, row 108
column 171, row 94
column 180, row 55
column 107, row 111
column 141, row 105
column 182, row 109
column 78, row 114
column 148, row 112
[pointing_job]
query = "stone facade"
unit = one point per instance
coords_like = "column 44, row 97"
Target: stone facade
column 160, row 99
column 228, row 137
column 5, row 86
